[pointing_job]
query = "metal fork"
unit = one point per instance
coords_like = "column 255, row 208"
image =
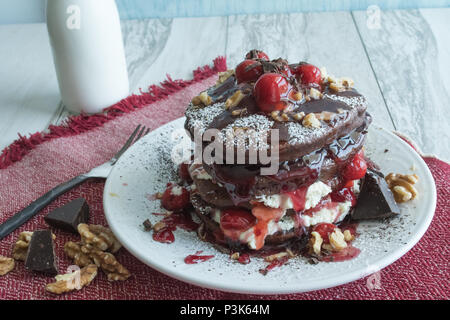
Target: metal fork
column 102, row 171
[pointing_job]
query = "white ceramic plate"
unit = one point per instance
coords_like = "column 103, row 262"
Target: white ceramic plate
column 146, row 168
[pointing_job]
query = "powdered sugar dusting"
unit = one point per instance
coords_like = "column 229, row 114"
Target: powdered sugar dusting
column 255, row 128
column 352, row 102
column 299, row 133
column 200, row 118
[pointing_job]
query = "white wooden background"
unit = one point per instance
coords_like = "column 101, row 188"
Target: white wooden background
column 402, row 67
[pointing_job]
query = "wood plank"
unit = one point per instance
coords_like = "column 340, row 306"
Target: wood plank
column 324, row 39
column 183, row 45
column 410, row 55
column 28, row 86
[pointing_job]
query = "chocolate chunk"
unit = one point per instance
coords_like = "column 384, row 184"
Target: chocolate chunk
column 375, row 199
column 69, row 216
column 147, row 225
column 41, row 253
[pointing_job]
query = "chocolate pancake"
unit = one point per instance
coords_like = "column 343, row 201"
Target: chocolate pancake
column 344, row 111
column 240, row 184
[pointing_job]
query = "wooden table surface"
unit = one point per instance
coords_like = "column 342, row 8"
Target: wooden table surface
column 401, row 64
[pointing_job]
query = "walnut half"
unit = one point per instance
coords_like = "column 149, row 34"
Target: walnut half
column 402, row 186
column 6, row 265
column 75, row 280
column 98, row 236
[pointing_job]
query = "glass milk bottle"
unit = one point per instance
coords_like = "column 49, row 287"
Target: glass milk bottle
column 88, row 53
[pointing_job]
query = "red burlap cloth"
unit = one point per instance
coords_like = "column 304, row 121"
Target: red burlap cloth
column 45, row 161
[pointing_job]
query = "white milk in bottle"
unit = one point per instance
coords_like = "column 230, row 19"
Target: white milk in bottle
column 88, row 53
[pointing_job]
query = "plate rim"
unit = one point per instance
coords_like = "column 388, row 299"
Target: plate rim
column 262, row 290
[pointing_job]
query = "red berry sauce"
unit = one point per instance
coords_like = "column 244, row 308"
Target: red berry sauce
column 196, row 258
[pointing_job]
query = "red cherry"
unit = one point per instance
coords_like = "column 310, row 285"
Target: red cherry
column 244, row 258
column 236, row 219
column 356, row 169
column 308, row 74
column 248, row 71
column 269, row 90
column 324, row 229
column 257, row 54
column 183, row 172
column 175, row 198
column 342, row 195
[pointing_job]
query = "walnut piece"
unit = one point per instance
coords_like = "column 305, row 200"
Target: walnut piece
column 234, row 100
column 74, row 251
column 297, row 96
column 235, row 256
column 316, row 242
column 6, row 265
column 75, row 280
column 402, row 186
column 348, row 236
column 86, row 254
column 337, row 239
column 113, row 269
column 340, row 84
column 314, row 93
column 310, row 121
column 202, row 99
column 20, row 248
column 276, row 256
column 98, row 236
column 299, row 115
column 224, row 76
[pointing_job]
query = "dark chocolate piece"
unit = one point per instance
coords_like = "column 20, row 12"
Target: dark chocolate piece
column 375, row 200
column 69, row 216
column 41, row 253
column 147, row 225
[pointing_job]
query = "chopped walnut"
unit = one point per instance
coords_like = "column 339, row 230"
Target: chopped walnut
column 75, row 280
column 20, row 248
column 348, row 236
column 297, row 96
column 74, row 251
column 224, row 76
column 341, row 84
column 402, row 186
column 113, row 269
column 310, row 121
column 347, row 82
column 235, row 256
column 202, row 99
column 314, row 93
column 285, row 116
column 323, row 73
column 337, row 239
column 6, row 265
column 234, row 100
column 276, row 256
column 316, row 242
column 159, row 226
column 239, row 112
column 299, row 115
column 98, row 236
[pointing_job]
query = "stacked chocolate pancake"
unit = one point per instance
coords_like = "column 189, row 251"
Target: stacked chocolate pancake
column 312, row 127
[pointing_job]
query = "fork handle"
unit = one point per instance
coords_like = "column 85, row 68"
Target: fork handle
column 23, row 216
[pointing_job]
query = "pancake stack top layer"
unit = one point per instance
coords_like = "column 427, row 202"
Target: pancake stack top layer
column 321, row 122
